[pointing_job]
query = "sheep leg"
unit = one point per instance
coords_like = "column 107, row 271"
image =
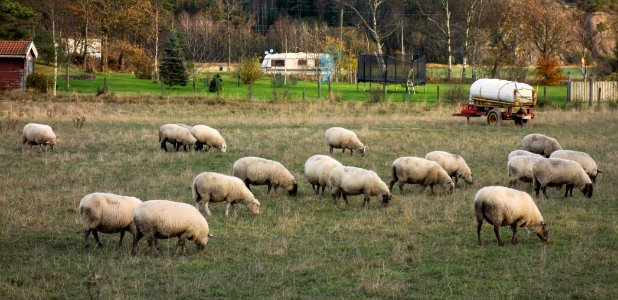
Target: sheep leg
column 323, row 188
column 401, row 184
column 514, row 228
column 569, row 190
column 121, row 237
column 86, row 234
column 227, row 208
column 152, row 242
column 544, row 192
column 182, row 240
column 345, row 198
column 366, row 200
column 95, row 234
column 497, row 232
column 537, row 187
column 164, row 145
column 136, row 239
column 512, row 183
column 247, row 183
column 431, row 186
column 391, row 184
column 330, row 149
column 479, row 224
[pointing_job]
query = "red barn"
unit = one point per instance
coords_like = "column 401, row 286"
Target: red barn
column 16, row 63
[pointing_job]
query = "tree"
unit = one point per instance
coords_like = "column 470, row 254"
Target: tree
column 375, row 17
column 173, row 70
column 444, row 28
column 15, row 21
column 472, row 10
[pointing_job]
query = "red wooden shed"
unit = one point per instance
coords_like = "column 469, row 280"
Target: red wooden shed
column 16, row 63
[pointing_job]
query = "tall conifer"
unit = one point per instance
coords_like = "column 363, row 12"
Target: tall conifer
column 173, row 70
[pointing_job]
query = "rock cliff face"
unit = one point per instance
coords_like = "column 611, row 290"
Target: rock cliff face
column 603, row 30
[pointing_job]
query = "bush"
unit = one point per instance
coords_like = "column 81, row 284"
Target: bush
column 547, row 71
column 38, row 82
column 376, row 95
column 216, row 84
column 249, row 70
column 455, row 94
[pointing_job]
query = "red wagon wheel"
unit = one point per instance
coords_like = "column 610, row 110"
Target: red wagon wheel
column 494, row 117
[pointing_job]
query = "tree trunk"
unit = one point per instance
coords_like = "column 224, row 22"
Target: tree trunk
column 55, row 52
column 155, row 76
column 448, row 40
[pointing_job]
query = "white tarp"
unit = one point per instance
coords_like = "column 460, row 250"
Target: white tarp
column 502, row 90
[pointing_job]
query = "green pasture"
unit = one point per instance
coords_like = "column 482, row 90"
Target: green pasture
column 423, row 245
column 291, row 89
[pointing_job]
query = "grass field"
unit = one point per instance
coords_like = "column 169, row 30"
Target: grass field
column 421, row 246
column 128, row 84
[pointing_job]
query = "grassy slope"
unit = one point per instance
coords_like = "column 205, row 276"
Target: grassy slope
column 421, row 246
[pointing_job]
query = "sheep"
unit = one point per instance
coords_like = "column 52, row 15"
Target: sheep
column 558, row 171
column 107, row 213
column 540, row 144
column 38, row 134
column 214, row 187
column 261, row 171
column 176, row 135
column 186, row 127
column 163, row 219
column 341, row 138
column 415, row 170
column 520, row 168
column 583, row 158
column 502, row 206
column 522, row 153
column 208, row 136
column 454, row 165
column 317, row 170
column 355, row 181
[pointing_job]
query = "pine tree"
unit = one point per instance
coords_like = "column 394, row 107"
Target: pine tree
column 173, row 70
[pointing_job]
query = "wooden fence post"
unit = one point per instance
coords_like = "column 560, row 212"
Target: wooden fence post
column 591, row 91
column 438, row 94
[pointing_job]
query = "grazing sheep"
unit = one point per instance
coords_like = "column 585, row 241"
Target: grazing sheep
column 107, row 213
column 583, row 158
column 540, row 144
column 38, row 134
column 163, row 219
column 208, row 136
column 502, row 206
column 341, row 138
column 317, row 170
column 522, row 153
column 176, row 135
column 355, row 181
column 520, row 168
column 186, row 127
column 454, row 165
column 558, row 171
column 416, row 170
column 214, row 187
column 261, row 171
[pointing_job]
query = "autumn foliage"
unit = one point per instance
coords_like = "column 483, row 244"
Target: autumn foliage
column 547, row 71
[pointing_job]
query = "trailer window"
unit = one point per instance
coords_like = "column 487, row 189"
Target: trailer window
column 302, row 62
column 278, row 63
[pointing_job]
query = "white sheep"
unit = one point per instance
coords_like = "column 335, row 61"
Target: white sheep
column 38, row 134
column 416, row 170
column 107, row 213
column 341, row 138
column 454, row 165
column 214, row 187
column 317, row 171
column 522, row 153
column 209, row 137
column 520, row 168
column 176, row 135
column 356, row 181
column 558, row 171
column 163, row 219
column 583, row 158
column 502, row 206
column 261, row 171
column 540, row 144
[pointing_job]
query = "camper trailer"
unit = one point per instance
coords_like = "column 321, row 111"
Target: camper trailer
column 292, row 63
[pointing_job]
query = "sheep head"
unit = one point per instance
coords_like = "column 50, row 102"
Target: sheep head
column 587, row 190
column 294, row 190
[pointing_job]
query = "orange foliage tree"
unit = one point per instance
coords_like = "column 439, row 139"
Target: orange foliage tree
column 547, row 71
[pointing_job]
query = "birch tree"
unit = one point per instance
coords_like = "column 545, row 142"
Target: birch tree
column 444, row 26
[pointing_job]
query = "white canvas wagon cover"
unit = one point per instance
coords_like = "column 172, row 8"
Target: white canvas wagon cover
column 502, row 90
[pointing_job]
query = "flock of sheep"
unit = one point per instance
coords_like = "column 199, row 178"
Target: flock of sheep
column 541, row 162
